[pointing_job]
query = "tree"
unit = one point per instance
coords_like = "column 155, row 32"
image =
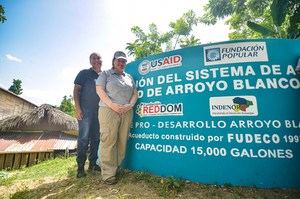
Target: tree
column 67, row 106
column 256, row 18
column 16, row 87
column 279, row 11
column 2, row 16
column 147, row 44
column 154, row 42
column 189, row 41
column 182, row 29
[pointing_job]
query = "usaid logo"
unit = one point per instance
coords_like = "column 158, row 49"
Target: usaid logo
column 213, row 54
column 144, row 67
column 233, row 106
column 158, row 64
column 235, row 53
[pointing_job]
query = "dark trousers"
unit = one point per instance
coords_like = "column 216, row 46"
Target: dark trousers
column 89, row 135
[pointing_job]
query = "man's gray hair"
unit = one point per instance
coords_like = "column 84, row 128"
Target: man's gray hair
column 94, row 53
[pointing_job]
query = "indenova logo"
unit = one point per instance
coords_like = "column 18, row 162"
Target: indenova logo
column 233, row 106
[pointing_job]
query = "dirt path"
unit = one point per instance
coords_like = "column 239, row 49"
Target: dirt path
column 133, row 185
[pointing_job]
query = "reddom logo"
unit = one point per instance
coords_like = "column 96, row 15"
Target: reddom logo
column 162, row 63
column 159, row 109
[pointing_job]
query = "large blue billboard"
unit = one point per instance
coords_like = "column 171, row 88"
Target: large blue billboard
column 219, row 113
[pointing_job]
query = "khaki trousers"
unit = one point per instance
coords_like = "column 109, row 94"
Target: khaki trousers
column 114, row 130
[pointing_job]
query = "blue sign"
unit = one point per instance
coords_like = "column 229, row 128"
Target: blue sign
column 220, row 113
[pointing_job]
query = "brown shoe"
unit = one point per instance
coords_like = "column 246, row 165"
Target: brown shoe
column 111, row 180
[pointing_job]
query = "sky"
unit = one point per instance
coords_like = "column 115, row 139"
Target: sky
column 46, row 43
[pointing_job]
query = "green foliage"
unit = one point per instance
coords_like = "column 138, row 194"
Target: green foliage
column 57, row 167
column 172, row 185
column 16, row 87
column 56, row 178
column 147, row 44
column 154, row 42
column 4, row 174
column 183, row 25
column 294, row 21
column 22, row 194
column 256, row 18
column 261, row 29
column 2, row 16
column 189, row 41
column 169, row 186
column 67, row 106
column 182, row 28
column 216, row 9
column 279, row 11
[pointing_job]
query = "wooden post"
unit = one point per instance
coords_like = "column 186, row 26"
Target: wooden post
column 2, row 158
column 17, row 161
column 41, row 156
column 9, row 158
column 67, row 153
column 32, row 159
column 28, row 158
column 51, row 154
column 24, row 159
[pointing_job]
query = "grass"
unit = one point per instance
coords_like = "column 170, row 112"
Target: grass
column 56, row 179
column 164, row 186
column 55, row 168
column 21, row 194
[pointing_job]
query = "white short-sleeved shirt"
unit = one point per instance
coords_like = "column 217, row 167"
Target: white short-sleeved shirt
column 119, row 88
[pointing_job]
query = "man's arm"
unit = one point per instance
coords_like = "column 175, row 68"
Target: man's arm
column 76, row 95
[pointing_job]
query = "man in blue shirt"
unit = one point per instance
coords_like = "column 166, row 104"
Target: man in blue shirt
column 87, row 105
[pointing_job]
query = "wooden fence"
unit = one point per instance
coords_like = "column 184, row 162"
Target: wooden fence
column 19, row 159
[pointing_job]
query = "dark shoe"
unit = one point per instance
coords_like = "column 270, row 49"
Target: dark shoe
column 94, row 168
column 80, row 173
column 111, row 181
column 120, row 172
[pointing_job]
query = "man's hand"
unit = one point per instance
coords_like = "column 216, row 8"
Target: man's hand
column 79, row 114
column 76, row 94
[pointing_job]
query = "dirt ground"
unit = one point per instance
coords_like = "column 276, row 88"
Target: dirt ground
column 133, row 185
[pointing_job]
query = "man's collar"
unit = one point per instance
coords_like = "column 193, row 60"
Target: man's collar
column 92, row 69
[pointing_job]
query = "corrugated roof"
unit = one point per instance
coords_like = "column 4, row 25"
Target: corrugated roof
column 34, row 142
column 65, row 142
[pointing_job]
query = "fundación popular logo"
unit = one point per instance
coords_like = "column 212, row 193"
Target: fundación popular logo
column 213, row 54
column 159, row 109
column 233, row 106
column 235, row 53
column 158, row 64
